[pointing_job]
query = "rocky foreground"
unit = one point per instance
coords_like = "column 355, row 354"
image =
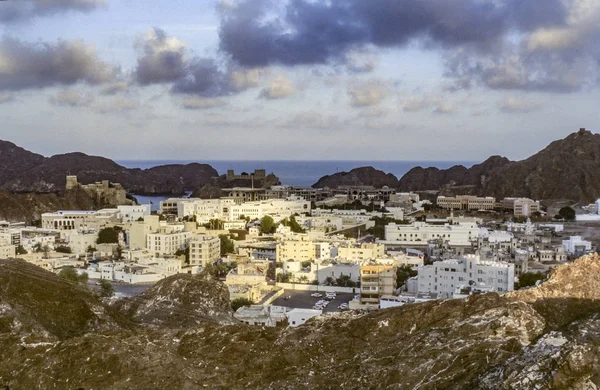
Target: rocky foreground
column 181, row 335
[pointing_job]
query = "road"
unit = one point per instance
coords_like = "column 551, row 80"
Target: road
column 123, row 290
column 303, row 300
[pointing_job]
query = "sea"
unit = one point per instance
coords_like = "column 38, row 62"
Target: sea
column 295, row 173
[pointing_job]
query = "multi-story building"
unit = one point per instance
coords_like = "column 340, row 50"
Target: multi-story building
column 443, row 277
column 204, row 250
column 576, row 246
column 276, row 208
column 419, row 233
column 7, row 251
column 134, row 213
column 521, row 206
column 300, row 249
column 376, row 280
column 167, row 243
column 466, row 202
column 361, row 252
column 79, row 219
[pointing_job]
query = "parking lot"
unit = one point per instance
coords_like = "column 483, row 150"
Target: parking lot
column 303, row 300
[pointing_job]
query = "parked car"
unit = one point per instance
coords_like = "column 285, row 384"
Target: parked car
column 316, row 295
column 343, row 306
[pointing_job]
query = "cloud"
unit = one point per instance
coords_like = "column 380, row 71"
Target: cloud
column 367, row 93
column 416, row 104
column 198, row 103
column 71, row 98
column 203, row 78
column 278, row 88
column 361, row 60
column 373, row 112
column 24, row 65
column 162, row 58
column 444, row 108
column 242, row 79
column 6, row 97
column 509, row 44
column 308, row 32
column 115, row 88
column 513, row 105
column 11, row 11
column 118, row 104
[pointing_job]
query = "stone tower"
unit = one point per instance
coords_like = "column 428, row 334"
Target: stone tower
column 71, row 182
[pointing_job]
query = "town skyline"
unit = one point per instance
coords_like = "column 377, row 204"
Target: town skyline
column 314, row 81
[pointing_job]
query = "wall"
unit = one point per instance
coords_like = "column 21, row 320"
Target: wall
column 312, row 287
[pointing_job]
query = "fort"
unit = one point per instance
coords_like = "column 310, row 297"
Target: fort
column 259, row 174
column 103, row 191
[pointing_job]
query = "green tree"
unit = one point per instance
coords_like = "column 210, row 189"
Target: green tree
column 184, row 252
column 403, row 273
column 20, row 250
column 90, row 250
column 567, row 213
column 119, row 254
column 106, row 289
column 70, row 274
column 37, row 248
column 344, row 281
column 63, row 249
column 227, row 245
column 46, row 251
column 306, row 264
column 295, row 226
column 284, row 278
column 329, row 281
column 107, row 235
column 529, row 279
column 303, row 279
column 267, row 225
column 239, row 302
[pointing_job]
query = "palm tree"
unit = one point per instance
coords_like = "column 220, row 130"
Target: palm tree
column 329, row 281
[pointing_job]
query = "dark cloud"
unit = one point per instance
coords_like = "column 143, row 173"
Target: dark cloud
column 25, row 65
column 16, row 10
column 318, row 32
column 203, row 78
column 162, row 59
column 502, row 44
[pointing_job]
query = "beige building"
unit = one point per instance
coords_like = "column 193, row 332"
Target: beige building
column 361, row 252
column 139, row 230
column 7, row 251
column 376, row 280
column 466, row 202
column 301, row 250
column 204, row 250
column 521, row 206
column 167, row 243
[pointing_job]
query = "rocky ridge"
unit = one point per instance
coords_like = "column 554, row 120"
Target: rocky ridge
column 23, row 171
column 363, row 176
column 545, row 337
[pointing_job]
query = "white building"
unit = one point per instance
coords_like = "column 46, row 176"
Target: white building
column 443, row 277
column 521, row 206
column 276, row 208
column 134, row 213
column 79, row 219
column 576, row 246
column 361, row 252
column 297, row 317
column 204, row 250
column 167, row 243
column 419, row 233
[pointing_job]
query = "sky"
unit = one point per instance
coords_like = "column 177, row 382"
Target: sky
column 425, row 80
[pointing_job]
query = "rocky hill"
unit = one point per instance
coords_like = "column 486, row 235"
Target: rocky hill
column 214, row 188
column 28, row 207
column 23, row 171
column 565, row 169
column 421, row 179
column 542, row 338
column 363, row 176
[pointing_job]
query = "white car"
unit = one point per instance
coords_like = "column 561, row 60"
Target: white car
column 316, row 295
column 343, row 306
